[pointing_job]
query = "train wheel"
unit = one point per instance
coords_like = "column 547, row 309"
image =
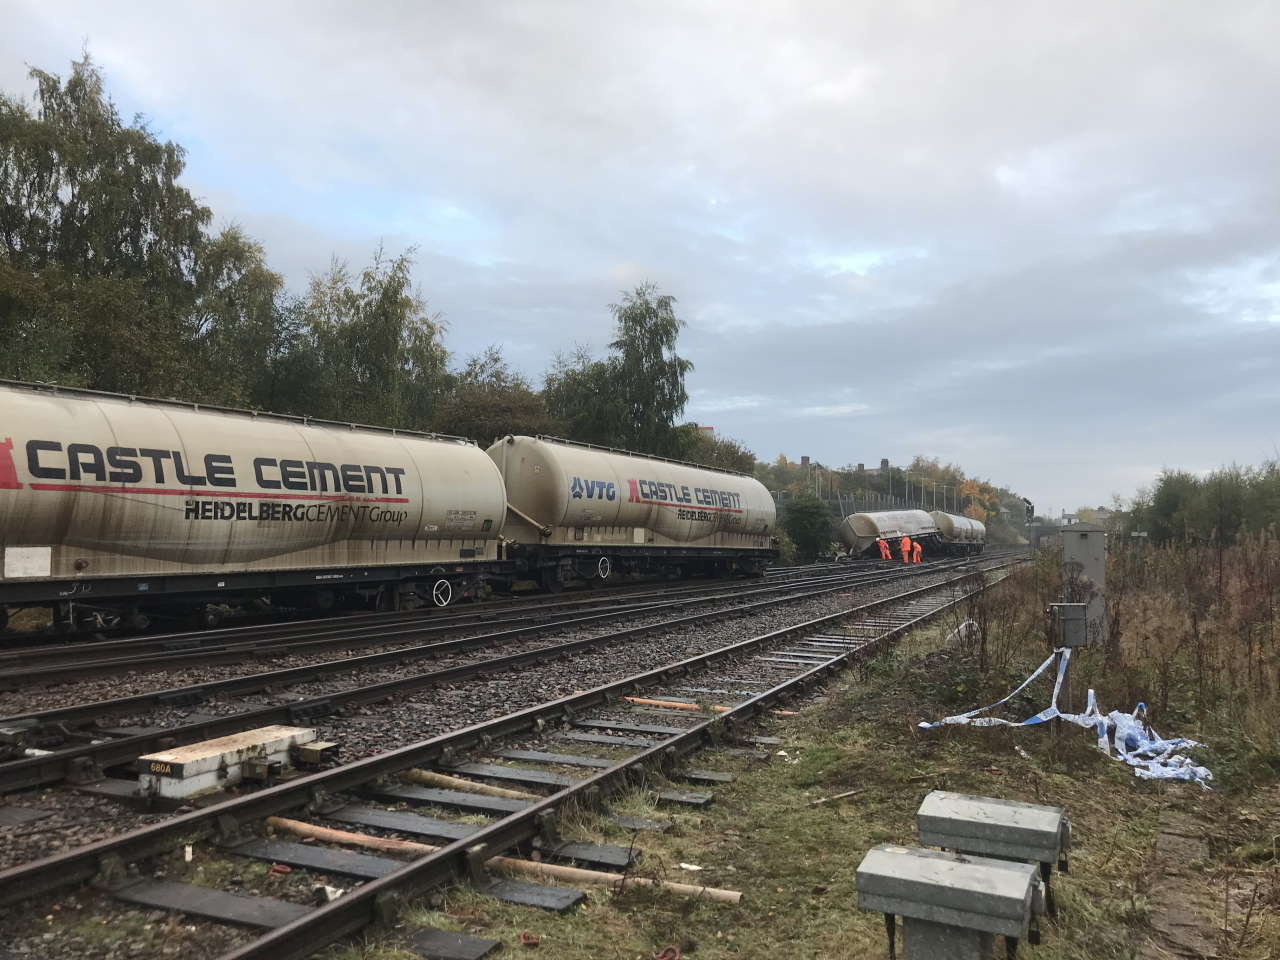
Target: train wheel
column 441, row 593
column 138, row 621
column 206, row 618
column 604, row 568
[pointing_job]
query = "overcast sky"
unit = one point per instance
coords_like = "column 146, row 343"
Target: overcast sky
column 1039, row 239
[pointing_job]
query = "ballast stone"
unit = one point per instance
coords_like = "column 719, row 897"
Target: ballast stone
column 970, row 893
column 991, row 827
column 209, row 764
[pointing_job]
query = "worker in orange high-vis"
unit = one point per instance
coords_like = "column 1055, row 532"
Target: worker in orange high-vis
column 906, row 549
column 917, row 552
column 884, row 549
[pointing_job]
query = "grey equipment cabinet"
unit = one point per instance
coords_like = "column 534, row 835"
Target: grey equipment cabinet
column 989, row 827
column 952, row 905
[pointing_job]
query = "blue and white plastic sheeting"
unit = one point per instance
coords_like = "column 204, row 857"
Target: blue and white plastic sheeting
column 1150, row 755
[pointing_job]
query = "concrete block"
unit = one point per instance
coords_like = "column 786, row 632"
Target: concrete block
column 991, row 827
column 972, row 893
column 184, row 771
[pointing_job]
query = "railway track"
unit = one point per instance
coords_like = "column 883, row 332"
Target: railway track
column 52, row 650
column 49, row 663
column 402, row 639
column 74, row 743
column 524, row 749
column 18, row 647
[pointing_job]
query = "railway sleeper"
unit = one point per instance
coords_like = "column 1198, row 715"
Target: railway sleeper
column 310, row 710
column 521, row 824
column 272, row 680
column 186, row 697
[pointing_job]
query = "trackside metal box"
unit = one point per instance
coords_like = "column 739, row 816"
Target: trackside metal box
column 1069, row 624
column 966, row 893
column 1084, row 574
column 990, row 827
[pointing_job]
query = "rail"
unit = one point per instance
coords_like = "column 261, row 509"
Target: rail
column 104, row 859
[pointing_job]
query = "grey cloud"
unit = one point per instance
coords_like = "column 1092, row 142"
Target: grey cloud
column 1035, row 239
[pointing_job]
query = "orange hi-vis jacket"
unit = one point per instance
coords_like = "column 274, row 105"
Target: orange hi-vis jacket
column 906, row 549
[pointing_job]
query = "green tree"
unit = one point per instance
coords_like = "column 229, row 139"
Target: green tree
column 1263, row 504
column 1170, row 508
column 786, row 549
column 807, row 522
column 236, row 321
column 781, row 474
column 649, row 374
column 701, row 446
column 99, row 241
column 292, row 365
column 487, row 400
column 1217, row 509
column 108, row 278
column 630, row 399
column 81, row 190
column 377, row 356
column 579, row 393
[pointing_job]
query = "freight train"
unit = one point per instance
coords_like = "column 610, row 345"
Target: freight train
column 116, row 510
column 937, row 532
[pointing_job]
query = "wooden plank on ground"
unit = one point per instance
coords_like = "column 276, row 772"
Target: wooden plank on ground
column 453, row 799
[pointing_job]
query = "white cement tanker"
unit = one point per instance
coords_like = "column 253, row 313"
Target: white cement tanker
column 860, row 531
column 580, row 510
column 960, row 535
column 116, row 509
column 113, row 502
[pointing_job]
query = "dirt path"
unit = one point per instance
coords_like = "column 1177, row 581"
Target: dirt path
column 1182, row 907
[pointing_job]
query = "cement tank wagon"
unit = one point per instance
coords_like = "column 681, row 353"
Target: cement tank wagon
column 959, row 535
column 582, row 512
column 859, row 531
column 112, row 506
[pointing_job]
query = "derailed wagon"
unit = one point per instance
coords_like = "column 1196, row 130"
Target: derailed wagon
column 958, row 535
column 860, row 531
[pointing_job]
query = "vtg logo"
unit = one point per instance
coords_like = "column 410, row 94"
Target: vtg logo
column 581, row 489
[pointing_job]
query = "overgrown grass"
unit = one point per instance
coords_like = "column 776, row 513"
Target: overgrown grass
column 1194, row 632
column 795, row 862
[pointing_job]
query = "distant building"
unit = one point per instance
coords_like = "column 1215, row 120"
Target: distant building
column 874, row 471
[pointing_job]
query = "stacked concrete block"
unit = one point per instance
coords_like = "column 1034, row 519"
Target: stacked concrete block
column 989, row 880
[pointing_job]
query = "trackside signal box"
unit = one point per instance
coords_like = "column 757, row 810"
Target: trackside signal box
column 1084, row 575
column 1067, row 624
